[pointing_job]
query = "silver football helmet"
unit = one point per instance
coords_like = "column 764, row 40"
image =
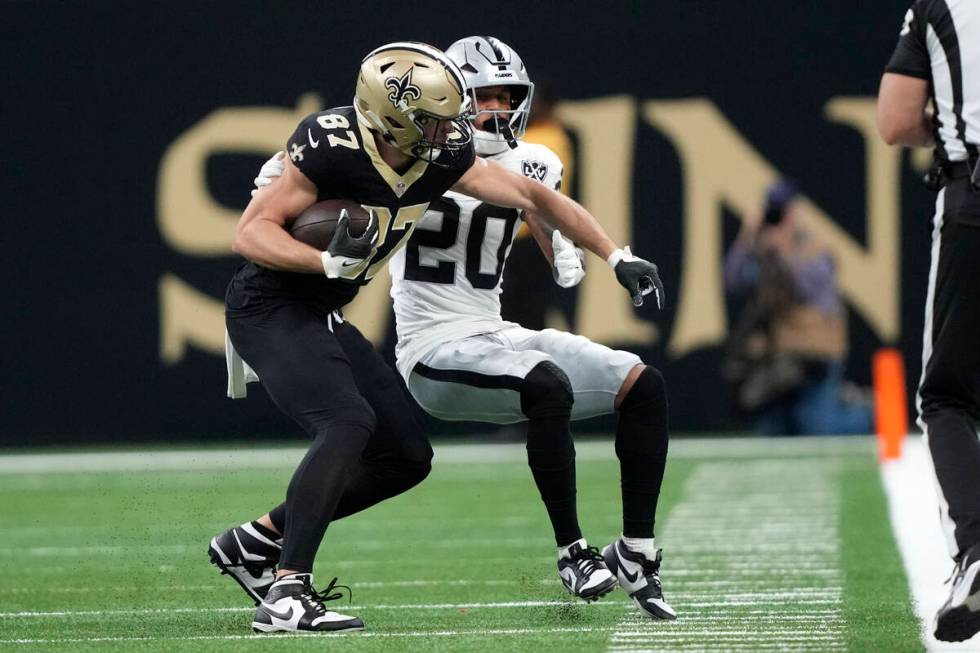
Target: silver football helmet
column 487, row 61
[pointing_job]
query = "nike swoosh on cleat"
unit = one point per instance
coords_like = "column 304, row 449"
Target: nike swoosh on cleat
column 245, row 554
column 285, row 616
column 569, row 578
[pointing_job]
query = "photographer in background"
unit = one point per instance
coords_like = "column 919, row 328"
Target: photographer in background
column 787, row 350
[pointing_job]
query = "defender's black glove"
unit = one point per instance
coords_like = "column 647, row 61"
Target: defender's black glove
column 638, row 276
column 345, row 255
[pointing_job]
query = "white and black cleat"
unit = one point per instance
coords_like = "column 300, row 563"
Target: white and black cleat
column 583, row 572
column 292, row 605
column 959, row 618
column 248, row 556
column 640, row 577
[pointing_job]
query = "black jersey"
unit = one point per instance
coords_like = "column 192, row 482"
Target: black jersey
column 340, row 157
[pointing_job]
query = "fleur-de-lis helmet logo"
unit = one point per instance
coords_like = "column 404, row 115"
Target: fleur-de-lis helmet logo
column 402, row 89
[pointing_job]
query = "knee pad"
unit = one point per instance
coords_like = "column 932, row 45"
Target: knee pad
column 546, row 392
column 648, row 394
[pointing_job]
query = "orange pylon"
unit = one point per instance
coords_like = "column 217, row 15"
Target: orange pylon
column 891, row 409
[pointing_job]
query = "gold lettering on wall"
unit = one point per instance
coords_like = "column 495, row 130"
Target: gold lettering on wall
column 721, row 169
column 193, row 223
column 190, row 220
column 869, row 274
column 188, row 317
column 606, row 128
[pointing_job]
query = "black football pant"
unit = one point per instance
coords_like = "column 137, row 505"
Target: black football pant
column 367, row 445
column 949, row 393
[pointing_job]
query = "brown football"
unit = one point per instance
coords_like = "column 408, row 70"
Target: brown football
column 316, row 225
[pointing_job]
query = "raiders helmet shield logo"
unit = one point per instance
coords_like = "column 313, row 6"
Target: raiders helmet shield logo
column 534, row 170
column 402, row 89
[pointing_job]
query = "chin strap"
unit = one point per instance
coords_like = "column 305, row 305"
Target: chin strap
column 501, row 127
column 508, row 135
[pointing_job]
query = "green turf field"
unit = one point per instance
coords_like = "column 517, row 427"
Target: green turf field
column 768, row 545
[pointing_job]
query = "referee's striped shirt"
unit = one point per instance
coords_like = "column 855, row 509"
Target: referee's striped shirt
column 940, row 42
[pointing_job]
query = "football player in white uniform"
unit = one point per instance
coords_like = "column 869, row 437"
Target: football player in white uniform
column 462, row 361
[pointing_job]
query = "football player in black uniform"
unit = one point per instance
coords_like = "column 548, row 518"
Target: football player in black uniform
column 404, row 143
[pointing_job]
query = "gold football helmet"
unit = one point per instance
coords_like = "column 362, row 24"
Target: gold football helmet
column 415, row 97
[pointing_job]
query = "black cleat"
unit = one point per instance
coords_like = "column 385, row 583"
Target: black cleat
column 292, row 605
column 249, row 557
column 584, row 574
column 640, row 577
column 959, row 618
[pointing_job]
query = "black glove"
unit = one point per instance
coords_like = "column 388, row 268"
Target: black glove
column 639, row 277
column 346, row 245
column 345, row 256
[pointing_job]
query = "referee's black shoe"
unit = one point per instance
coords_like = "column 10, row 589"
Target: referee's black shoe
column 959, row 618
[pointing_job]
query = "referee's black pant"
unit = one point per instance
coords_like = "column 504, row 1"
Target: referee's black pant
column 949, row 391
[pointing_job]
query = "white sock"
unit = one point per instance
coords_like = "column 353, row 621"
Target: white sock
column 644, row 545
column 563, row 550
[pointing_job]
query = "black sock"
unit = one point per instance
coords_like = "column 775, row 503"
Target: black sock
column 546, row 399
column 315, row 490
column 641, row 446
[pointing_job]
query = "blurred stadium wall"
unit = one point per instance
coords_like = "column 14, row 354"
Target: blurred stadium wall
column 132, row 134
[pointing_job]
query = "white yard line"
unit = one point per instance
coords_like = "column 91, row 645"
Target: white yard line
column 730, row 519
column 764, row 614
column 288, row 456
column 488, row 632
column 497, row 605
column 912, row 502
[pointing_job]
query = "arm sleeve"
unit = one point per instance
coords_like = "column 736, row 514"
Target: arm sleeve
column 911, row 56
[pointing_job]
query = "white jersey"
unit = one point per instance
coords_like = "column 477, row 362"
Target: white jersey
column 446, row 281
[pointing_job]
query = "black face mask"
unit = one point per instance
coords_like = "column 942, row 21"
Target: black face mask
column 449, row 151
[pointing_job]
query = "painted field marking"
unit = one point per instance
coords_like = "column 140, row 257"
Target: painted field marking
column 496, row 605
column 794, row 530
column 913, row 505
column 488, row 632
column 289, row 456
